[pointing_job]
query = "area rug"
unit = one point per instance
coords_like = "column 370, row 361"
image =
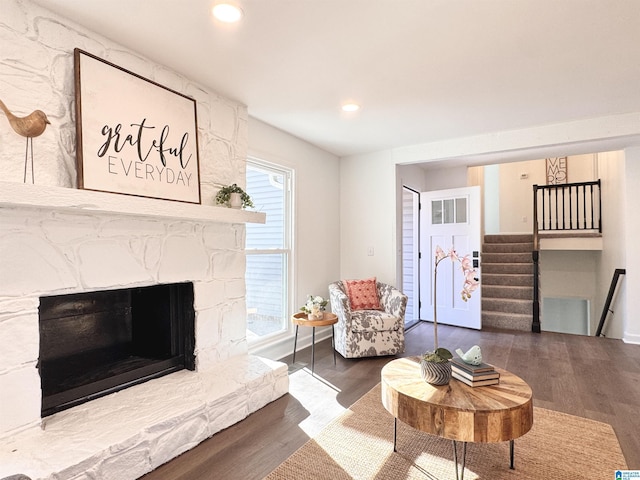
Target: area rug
column 359, row 445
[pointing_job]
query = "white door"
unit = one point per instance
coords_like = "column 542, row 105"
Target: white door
column 449, row 219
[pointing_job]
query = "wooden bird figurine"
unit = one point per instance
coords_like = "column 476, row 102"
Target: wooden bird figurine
column 33, row 125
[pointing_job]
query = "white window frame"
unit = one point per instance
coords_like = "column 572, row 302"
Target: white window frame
column 287, row 249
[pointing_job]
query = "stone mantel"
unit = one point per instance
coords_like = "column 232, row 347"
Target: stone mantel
column 76, row 200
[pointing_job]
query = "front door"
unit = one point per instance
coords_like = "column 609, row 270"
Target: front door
column 449, row 219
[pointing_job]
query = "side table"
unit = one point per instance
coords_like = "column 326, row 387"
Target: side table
column 300, row 319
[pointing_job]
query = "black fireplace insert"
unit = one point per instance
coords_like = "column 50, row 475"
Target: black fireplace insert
column 96, row 343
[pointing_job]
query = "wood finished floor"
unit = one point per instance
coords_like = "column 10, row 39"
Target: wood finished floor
column 590, row 377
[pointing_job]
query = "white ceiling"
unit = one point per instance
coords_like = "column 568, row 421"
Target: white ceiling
column 423, row 70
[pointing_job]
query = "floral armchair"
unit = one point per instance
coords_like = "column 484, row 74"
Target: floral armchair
column 368, row 333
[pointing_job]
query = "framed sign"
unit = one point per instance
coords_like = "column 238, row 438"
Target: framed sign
column 134, row 136
column 556, row 170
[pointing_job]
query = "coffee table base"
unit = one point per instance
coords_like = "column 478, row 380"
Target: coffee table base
column 455, row 459
column 459, row 473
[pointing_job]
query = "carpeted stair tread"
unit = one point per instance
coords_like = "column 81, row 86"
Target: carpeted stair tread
column 524, row 258
column 508, row 248
column 507, row 321
column 506, row 305
column 507, row 291
column 508, row 238
column 507, row 279
column 506, row 268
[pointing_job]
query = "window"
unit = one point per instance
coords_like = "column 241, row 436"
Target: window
column 450, row 210
column 268, row 250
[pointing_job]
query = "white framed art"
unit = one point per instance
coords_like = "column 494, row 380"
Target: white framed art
column 134, row 136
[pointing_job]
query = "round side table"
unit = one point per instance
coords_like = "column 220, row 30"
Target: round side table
column 300, row 319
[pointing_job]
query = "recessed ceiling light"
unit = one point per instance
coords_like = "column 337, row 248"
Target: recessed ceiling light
column 227, row 12
column 350, row 107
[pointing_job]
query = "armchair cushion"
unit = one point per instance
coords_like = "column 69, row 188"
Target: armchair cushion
column 363, row 294
column 373, row 321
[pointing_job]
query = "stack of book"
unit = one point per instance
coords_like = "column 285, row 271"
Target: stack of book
column 474, row 375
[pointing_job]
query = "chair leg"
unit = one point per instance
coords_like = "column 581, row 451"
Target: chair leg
column 333, row 343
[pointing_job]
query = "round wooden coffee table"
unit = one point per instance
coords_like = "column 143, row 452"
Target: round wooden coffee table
column 300, row 319
column 456, row 411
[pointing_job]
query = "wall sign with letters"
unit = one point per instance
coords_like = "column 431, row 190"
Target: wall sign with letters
column 134, row 136
column 556, row 170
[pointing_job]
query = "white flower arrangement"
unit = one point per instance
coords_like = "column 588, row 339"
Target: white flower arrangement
column 315, row 305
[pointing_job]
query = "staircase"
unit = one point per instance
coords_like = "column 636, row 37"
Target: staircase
column 507, row 282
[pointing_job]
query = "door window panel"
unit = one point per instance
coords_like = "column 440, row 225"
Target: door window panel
column 450, row 210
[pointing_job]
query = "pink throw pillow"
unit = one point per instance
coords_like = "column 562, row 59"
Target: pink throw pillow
column 363, row 294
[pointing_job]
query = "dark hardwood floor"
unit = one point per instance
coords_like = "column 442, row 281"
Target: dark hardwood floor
column 590, row 377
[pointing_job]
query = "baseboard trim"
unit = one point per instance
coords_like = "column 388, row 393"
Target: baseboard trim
column 631, row 338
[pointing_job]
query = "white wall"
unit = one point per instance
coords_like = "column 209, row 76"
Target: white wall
column 444, row 178
column 570, row 274
column 368, row 203
column 615, row 212
column 412, row 176
column 582, row 168
column 317, row 220
column 631, row 281
column 516, row 213
column 491, row 199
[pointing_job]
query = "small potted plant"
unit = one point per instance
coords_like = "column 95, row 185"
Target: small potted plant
column 233, row 196
column 435, row 365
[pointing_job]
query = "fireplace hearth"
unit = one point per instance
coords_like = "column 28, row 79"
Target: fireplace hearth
column 96, row 343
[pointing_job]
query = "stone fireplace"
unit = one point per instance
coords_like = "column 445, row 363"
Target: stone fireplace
column 88, row 256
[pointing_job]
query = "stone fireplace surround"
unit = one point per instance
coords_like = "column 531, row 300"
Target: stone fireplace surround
column 59, row 240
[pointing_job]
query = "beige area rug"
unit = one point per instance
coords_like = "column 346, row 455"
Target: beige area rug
column 359, row 445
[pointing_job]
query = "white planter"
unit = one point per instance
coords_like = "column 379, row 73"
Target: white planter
column 235, row 200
